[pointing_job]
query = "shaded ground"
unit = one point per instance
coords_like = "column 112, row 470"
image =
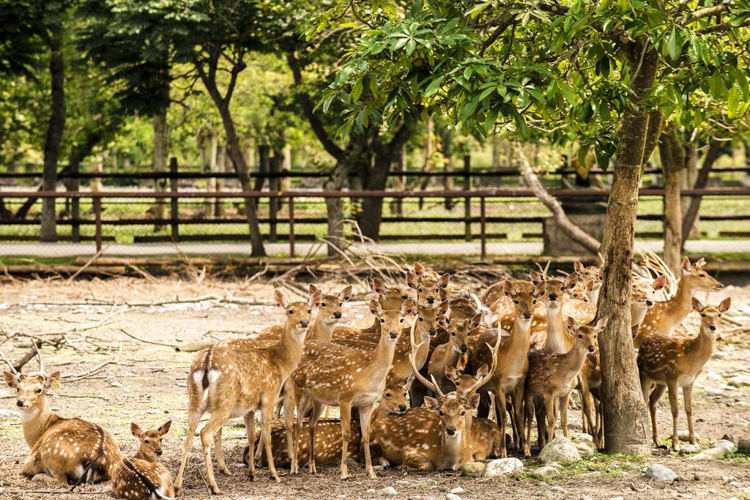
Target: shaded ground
column 145, row 383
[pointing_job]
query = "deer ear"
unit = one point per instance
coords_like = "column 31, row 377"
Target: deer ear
column 571, row 323
column 509, row 289
column 634, row 330
column 412, row 280
column 371, row 284
column 685, row 264
column 535, row 277
column 659, row 283
column 482, row 372
column 442, row 322
column 578, row 266
column 407, row 308
column 443, row 294
column 697, row 305
column 376, row 308
column 442, row 309
column 379, row 287
column 540, row 289
column 164, row 428
column 313, row 289
column 472, row 402
column 314, row 299
column 136, row 430
column 476, row 320
column 345, row 294
column 571, row 281
column 725, row 304
column 602, row 323
column 590, row 286
column 53, row 381
column 451, row 373
column 281, row 299
column 443, row 280
column 431, row 403
column 11, row 379
column 418, row 269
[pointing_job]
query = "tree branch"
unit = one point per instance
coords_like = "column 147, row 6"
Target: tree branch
column 496, row 34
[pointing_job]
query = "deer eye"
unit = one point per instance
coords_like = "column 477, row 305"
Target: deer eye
column 404, row 297
column 580, row 336
column 401, row 320
column 516, row 301
column 323, row 304
column 534, row 301
column 419, row 290
column 702, row 275
column 39, row 391
column 441, row 412
column 421, row 318
column 309, row 311
column 290, row 312
column 388, row 394
column 703, row 315
column 382, row 320
column 463, row 413
column 453, row 334
column 341, row 304
column 146, row 441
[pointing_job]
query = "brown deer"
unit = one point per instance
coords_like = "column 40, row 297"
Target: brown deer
column 642, row 297
column 448, row 354
column 335, row 375
column 389, row 297
column 664, row 317
column 669, row 363
column 431, row 288
column 232, row 382
column 63, row 450
column 142, row 476
column 551, row 377
column 512, row 364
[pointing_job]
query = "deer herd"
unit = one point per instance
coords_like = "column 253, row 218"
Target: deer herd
column 437, row 376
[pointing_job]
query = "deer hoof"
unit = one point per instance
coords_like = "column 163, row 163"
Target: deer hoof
column 215, row 490
column 225, row 470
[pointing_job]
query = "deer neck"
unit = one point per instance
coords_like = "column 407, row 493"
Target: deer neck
column 637, row 313
column 453, row 449
column 320, row 330
column 573, row 360
column 556, row 336
column 288, row 350
column 142, row 456
column 520, row 337
column 701, row 347
column 382, row 359
column 36, row 422
column 679, row 306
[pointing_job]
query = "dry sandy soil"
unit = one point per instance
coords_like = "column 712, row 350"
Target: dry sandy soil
column 143, row 381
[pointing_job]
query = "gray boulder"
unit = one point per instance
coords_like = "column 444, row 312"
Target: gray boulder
column 659, row 472
column 502, row 467
column 473, row 469
column 545, row 472
column 560, row 450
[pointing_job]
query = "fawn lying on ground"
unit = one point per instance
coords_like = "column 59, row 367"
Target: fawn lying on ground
column 142, row 476
column 68, row 451
column 668, row 363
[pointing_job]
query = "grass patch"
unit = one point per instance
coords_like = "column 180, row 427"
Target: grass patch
column 739, row 457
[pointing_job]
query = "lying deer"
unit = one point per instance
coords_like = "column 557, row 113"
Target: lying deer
column 335, row 375
column 142, row 476
column 669, row 363
column 664, row 317
column 232, row 382
column 551, row 376
column 68, row 451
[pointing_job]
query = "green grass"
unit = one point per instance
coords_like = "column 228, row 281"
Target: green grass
column 739, row 457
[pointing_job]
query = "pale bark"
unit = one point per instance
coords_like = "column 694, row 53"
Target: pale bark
column 691, row 214
column 160, row 164
column 673, row 159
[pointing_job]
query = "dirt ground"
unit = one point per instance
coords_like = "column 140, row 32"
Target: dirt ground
column 113, row 379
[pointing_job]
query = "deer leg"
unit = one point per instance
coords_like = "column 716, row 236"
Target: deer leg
column 528, row 417
column 501, row 402
column 687, row 395
column 346, row 430
column 549, row 406
column 266, row 414
column 563, row 415
column 215, row 422
column 194, row 418
column 541, row 426
column 220, row 463
column 365, row 413
column 249, row 419
column 588, row 419
column 653, row 399
column 314, row 416
column 518, row 410
column 674, row 405
column 417, row 461
column 289, row 399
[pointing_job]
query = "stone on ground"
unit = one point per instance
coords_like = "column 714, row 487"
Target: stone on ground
column 389, row 491
column 502, row 467
column 545, row 472
column 452, row 496
column 659, row 472
column 689, row 448
column 560, row 450
column 584, row 443
column 473, row 469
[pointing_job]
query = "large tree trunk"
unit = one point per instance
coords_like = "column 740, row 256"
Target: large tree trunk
column 161, row 153
column 54, row 133
column 672, row 156
column 712, row 154
column 624, row 407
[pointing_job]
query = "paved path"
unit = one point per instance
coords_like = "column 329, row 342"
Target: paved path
column 432, row 248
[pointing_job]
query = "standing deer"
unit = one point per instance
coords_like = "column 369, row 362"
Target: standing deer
column 142, row 476
column 234, row 382
column 67, row 451
column 664, row 317
column 448, row 354
column 669, row 363
column 335, row 375
column 389, row 297
column 551, row 377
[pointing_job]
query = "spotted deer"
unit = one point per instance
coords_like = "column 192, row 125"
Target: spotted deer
column 664, row 317
column 448, row 354
column 642, row 297
column 335, row 375
column 234, row 382
column 512, row 363
column 328, row 315
column 389, row 297
column 551, row 377
column 142, row 476
column 431, row 288
column 669, row 363
column 63, row 450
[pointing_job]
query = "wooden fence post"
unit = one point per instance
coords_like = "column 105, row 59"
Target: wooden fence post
column 98, row 221
column 75, row 204
column 174, row 212
column 483, row 225
column 273, row 203
column 467, row 200
column 291, row 226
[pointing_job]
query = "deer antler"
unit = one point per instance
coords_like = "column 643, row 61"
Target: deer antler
column 39, row 357
column 479, row 383
column 433, row 386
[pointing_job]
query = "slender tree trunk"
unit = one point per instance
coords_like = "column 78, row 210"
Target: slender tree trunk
column 624, row 407
column 54, row 133
column 712, row 154
column 672, row 156
column 161, row 153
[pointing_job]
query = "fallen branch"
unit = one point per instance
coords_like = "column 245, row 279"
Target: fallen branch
column 87, row 264
column 80, row 376
column 173, row 346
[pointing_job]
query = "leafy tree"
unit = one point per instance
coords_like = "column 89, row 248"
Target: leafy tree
column 604, row 73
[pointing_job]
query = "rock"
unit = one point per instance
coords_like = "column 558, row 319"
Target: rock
column 555, row 465
column 458, row 490
column 684, row 435
column 560, row 450
column 712, row 391
column 585, row 449
column 473, row 469
column 689, row 448
column 559, row 489
column 9, row 414
column 616, row 498
column 389, row 491
column 743, row 444
column 712, row 375
column 739, row 381
column 709, row 454
column 502, row 467
column 660, row 472
column 581, row 436
column 587, row 497
column 725, row 444
column 545, row 472
column 115, row 383
column 451, row 496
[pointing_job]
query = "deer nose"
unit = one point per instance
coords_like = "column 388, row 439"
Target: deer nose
column 337, row 315
column 450, row 430
column 433, row 332
column 430, row 300
column 303, row 323
column 649, row 302
column 158, row 452
column 553, row 296
column 393, row 334
column 402, row 408
column 712, row 328
column 464, row 348
column 591, row 348
column 527, row 315
column 19, row 403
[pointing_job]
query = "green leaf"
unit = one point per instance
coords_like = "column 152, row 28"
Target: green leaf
column 434, row 86
column 674, row 45
column 582, row 154
column 490, row 120
column 357, row 91
column 567, row 92
column 327, row 103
